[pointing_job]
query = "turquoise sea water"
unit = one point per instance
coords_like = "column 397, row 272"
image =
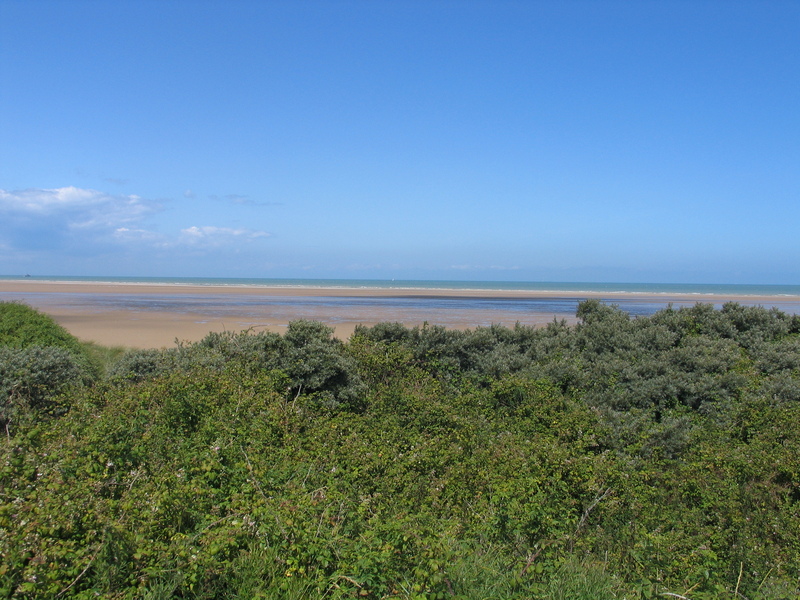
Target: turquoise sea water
column 571, row 287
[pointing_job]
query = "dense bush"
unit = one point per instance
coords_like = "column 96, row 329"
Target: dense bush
column 39, row 360
column 314, row 362
column 619, row 458
column 32, row 378
column 22, row 326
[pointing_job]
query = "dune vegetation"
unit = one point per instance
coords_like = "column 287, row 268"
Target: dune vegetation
column 617, row 458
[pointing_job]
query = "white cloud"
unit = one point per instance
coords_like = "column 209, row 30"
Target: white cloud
column 73, row 222
column 78, row 208
column 39, row 201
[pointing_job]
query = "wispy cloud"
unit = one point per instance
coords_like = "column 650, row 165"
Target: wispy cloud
column 215, row 236
column 128, row 235
column 241, row 200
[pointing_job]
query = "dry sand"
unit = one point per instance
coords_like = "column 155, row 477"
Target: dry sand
column 123, row 314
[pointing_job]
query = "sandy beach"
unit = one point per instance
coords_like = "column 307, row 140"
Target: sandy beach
column 154, row 315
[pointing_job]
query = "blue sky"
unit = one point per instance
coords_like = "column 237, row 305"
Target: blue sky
column 532, row 141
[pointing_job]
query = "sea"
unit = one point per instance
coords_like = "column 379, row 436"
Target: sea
column 638, row 299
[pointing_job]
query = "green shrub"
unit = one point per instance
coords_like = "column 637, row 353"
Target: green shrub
column 22, row 326
column 315, row 362
column 39, row 360
column 622, row 458
column 31, row 378
column 138, row 365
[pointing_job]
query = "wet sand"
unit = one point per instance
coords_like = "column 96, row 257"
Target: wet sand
column 152, row 316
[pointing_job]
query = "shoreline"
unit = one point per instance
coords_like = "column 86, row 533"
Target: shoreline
column 92, row 287
column 153, row 315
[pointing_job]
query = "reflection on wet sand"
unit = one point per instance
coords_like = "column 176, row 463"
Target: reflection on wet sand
column 155, row 316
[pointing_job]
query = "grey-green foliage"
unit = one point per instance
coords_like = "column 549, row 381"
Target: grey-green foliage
column 138, row 365
column 698, row 356
column 747, row 325
column 775, row 357
column 781, row 387
column 314, row 362
column 32, row 378
column 38, row 360
column 754, row 324
column 484, row 352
